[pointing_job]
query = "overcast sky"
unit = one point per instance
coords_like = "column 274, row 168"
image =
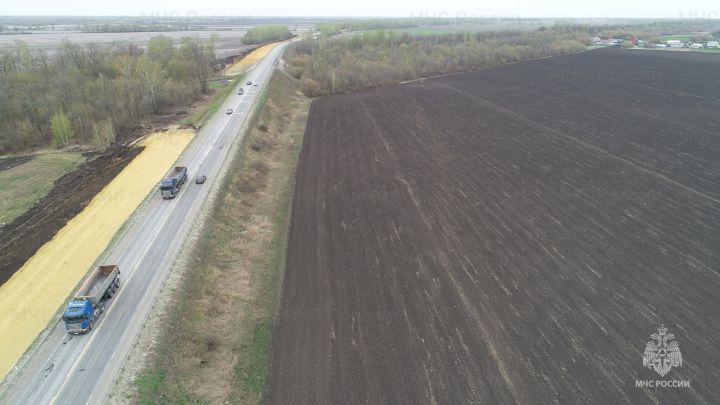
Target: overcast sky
column 374, row 8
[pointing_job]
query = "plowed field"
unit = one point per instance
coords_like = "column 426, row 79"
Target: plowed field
column 512, row 235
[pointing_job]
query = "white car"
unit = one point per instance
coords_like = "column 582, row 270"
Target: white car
column 229, row 111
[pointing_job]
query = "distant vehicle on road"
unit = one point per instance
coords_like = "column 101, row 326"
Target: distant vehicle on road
column 171, row 184
column 229, row 111
column 88, row 302
column 249, row 82
column 240, row 92
column 255, row 84
column 200, row 179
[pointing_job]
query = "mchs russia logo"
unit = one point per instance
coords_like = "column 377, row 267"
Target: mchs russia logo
column 662, row 353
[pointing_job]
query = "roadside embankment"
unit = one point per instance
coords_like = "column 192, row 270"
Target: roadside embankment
column 211, row 345
column 245, row 63
column 32, row 296
column 37, row 219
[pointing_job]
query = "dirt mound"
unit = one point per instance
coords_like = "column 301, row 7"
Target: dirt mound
column 20, row 239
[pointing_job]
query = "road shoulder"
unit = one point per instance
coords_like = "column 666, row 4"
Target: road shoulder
column 193, row 325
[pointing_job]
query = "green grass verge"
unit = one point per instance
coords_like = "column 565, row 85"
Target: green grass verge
column 148, row 383
column 24, row 185
column 253, row 370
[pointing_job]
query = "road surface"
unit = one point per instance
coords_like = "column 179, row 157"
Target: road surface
column 67, row 369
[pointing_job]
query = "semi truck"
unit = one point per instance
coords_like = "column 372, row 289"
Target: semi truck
column 171, row 184
column 89, row 301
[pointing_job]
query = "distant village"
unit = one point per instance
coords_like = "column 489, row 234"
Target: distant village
column 639, row 43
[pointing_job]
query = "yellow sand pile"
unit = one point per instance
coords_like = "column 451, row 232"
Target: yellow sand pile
column 249, row 60
column 33, row 295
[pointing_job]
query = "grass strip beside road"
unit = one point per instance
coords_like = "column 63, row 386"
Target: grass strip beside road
column 213, row 346
column 224, row 89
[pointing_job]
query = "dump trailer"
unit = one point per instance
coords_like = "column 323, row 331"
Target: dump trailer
column 89, row 301
column 171, row 184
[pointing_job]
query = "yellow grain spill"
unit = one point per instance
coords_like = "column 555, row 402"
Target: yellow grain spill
column 253, row 57
column 32, row 296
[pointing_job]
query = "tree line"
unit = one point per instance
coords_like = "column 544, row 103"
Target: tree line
column 87, row 94
column 15, row 30
column 347, row 63
column 335, row 27
column 162, row 27
column 652, row 31
column 266, row 33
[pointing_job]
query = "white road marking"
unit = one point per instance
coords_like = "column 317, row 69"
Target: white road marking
column 109, row 311
column 216, row 133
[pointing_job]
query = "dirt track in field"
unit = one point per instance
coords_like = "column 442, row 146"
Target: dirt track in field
column 9, row 162
column 507, row 236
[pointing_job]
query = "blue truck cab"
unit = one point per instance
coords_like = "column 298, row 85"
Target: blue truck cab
column 79, row 316
column 171, row 184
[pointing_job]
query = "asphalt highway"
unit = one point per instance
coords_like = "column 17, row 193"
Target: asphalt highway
column 67, row 369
